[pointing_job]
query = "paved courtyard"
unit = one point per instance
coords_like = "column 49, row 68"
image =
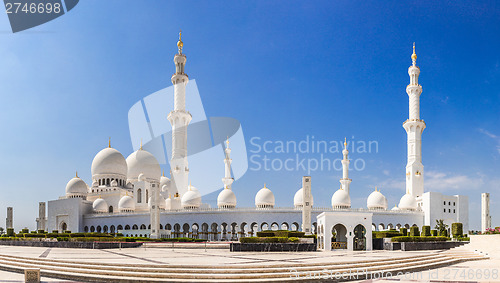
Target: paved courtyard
column 161, row 254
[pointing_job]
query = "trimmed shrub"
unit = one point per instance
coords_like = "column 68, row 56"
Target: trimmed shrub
column 387, row 234
column 41, row 232
column 314, row 236
column 62, row 239
column 426, row 231
column 293, row 239
column 444, row 233
column 457, row 229
column 265, row 234
column 403, row 231
column 414, row 232
column 77, row 235
column 434, row 233
column 296, row 234
column 55, row 231
column 419, row 239
column 25, row 230
column 34, row 235
column 52, row 235
column 465, row 239
column 265, row 240
column 10, row 232
column 67, row 231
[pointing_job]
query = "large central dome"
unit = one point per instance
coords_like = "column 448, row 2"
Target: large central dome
column 109, row 161
column 143, row 162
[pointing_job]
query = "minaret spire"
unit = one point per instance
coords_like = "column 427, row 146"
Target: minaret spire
column 345, row 181
column 179, row 119
column 227, row 180
column 414, row 127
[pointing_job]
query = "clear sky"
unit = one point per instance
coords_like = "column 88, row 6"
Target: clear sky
column 287, row 70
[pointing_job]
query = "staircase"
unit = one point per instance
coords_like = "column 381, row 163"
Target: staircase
column 252, row 272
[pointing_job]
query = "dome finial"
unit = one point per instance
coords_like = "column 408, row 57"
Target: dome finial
column 109, row 142
column 414, row 55
column 227, row 141
column 265, row 185
column 180, row 44
column 376, row 189
column 76, row 176
column 163, row 174
column 141, row 145
column 345, row 141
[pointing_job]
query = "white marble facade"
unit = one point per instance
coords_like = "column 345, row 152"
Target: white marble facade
column 121, row 194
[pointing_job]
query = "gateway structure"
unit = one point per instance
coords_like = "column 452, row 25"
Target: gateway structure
column 131, row 195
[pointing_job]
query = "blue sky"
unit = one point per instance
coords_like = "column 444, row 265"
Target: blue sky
column 285, row 69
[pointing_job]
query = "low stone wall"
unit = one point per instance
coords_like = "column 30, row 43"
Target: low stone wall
column 418, row 246
column 272, row 247
column 74, row 245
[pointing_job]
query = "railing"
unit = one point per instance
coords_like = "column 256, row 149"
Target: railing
column 254, row 209
column 339, row 245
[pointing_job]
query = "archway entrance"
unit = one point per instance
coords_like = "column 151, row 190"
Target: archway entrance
column 339, row 239
column 359, row 238
column 64, row 226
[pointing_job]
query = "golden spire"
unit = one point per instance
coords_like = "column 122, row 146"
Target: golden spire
column 414, row 55
column 265, row 186
column 109, row 142
column 163, row 174
column 376, row 189
column 179, row 43
column 227, row 141
column 345, row 141
column 76, row 174
column 141, row 145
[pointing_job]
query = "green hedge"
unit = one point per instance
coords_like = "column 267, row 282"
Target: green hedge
column 466, row 239
column 25, row 230
column 266, row 239
column 387, row 234
column 414, row 232
column 457, row 229
column 419, row 239
column 444, row 233
column 281, row 233
column 426, row 231
column 434, row 233
column 265, row 234
column 10, row 232
column 403, row 231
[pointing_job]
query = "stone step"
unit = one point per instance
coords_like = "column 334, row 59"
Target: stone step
column 221, row 269
column 215, row 276
column 286, row 278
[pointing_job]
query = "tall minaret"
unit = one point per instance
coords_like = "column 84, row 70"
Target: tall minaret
column 414, row 128
column 345, row 181
column 179, row 118
column 227, row 180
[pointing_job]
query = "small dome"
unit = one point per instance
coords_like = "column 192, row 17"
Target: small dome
column 100, row 205
column 395, row 208
column 341, row 199
column 264, row 198
column 408, row 202
column 226, row 199
column 191, row 199
column 143, row 162
column 141, row 177
column 298, row 199
column 164, row 181
column 109, row 161
column 76, row 187
column 168, row 203
column 176, row 202
column 376, row 200
column 126, row 204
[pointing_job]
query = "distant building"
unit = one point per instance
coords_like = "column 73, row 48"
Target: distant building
column 485, row 212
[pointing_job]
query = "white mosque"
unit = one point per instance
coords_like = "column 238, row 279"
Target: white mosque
column 133, row 197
